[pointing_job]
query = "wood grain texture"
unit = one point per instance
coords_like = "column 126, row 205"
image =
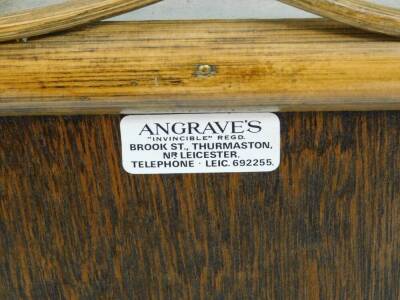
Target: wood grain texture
column 359, row 13
column 324, row 226
column 58, row 17
column 288, row 65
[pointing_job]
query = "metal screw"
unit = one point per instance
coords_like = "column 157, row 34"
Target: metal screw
column 205, row 70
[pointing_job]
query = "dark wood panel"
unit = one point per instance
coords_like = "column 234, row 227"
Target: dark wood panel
column 326, row 225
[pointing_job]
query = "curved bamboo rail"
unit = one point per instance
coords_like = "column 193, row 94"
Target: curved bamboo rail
column 358, row 13
column 53, row 18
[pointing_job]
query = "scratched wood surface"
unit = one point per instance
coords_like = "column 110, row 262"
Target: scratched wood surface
column 287, row 65
column 326, row 225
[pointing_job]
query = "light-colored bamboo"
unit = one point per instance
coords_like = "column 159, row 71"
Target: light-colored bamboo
column 26, row 24
column 359, row 13
column 63, row 16
column 287, row 65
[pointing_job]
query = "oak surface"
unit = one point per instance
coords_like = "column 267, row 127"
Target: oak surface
column 74, row 225
column 288, row 65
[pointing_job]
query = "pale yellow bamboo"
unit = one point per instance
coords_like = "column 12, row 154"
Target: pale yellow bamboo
column 63, row 16
column 358, row 13
column 197, row 66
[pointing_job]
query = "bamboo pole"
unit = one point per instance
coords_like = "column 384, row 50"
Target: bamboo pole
column 358, row 13
column 123, row 67
column 58, row 17
column 26, row 24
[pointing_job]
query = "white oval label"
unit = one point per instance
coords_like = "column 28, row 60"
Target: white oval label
column 200, row 143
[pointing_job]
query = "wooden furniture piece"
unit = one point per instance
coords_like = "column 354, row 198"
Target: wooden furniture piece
column 74, row 225
column 325, row 225
column 201, row 65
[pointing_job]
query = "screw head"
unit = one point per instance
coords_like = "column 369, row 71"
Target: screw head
column 205, row 70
